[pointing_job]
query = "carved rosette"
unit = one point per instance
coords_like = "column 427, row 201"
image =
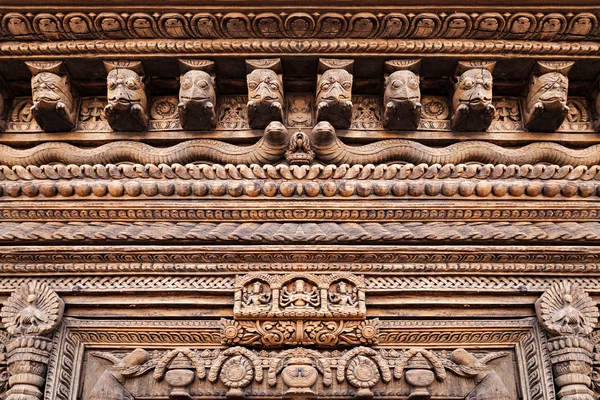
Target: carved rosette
column 236, row 367
column 569, row 315
column 546, row 103
column 30, row 315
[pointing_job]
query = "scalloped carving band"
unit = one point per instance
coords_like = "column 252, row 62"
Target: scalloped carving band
column 327, row 146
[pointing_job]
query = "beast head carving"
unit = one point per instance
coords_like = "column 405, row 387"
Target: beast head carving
column 197, row 101
column 127, row 108
column 546, row 106
column 265, row 97
column 472, row 101
column 53, row 104
column 402, row 99
column 334, row 97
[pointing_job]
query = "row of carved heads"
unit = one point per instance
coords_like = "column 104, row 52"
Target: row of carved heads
column 54, row 99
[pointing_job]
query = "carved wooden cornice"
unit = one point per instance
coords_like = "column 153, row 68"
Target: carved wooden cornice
column 319, row 23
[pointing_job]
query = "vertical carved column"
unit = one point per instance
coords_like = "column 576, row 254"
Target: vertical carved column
column 546, row 104
column 472, row 99
column 127, row 108
column 568, row 315
column 197, row 96
column 334, row 92
column 265, row 92
column 402, row 96
column 30, row 315
column 54, row 106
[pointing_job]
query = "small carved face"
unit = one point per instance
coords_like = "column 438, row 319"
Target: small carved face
column 402, row 85
column 197, row 86
column 474, row 88
column 264, row 86
column 125, row 88
column 548, row 88
column 299, row 112
column 335, row 86
column 257, row 288
column 51, row 88
column 299, row 286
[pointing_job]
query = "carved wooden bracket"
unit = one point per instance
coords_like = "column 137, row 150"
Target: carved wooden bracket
column 197, row 96
column 54, row 106
column 568, row 315
column 334, row 92
column 30, row 315
column 546, row 104
column 472, row 108
column 127, row 108
column 402, row 95
column 265, row 92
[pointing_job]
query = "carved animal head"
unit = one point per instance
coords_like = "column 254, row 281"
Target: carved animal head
column 473, row 88
column 125, row 88
column 197, row 86
column 548, row 88
column 402, row 86
column 264, row 86
column 49, row 89
column 335, row 86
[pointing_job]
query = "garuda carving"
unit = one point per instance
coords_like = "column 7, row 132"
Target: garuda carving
column 265, row 92
column 127, row 108
column 402, row 96
column 54, row 106
column 197, row 97
column 546, row 104
column 472, row 98
column 334, row 92
column 568, row 315
column 30, row 315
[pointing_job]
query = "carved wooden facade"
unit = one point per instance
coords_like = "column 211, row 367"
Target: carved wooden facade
column 299, row 201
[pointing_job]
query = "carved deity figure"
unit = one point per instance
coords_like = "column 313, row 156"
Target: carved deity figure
column 299, row 112
column 568, row 317
column 256, row 296
column 300, row 296
column 334, row 98
column 127, row 108
column 30, row 317
column 265, row 98
column 299, row 152
column 402, row 99
column 546, row 107
column 472, row 101
column 344, row 296
column 197, row 100
column 53, row 104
